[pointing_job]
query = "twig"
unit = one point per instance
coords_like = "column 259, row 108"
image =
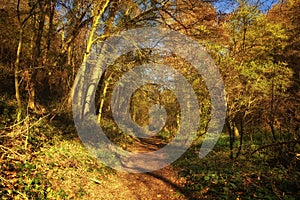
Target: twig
column 275, row 144
column 10, row 127
column 3, row 179
column 24, row 195
column 4, row 147
column 35, row 123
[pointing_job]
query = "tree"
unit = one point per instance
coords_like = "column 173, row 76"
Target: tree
column 197, row 19
column 22, row 23
column 286, row 14
column 255, row 81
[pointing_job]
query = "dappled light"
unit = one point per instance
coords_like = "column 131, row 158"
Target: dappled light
column 149, row 99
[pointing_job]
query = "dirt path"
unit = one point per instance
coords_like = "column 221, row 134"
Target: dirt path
column 162, row 184
column 70, row 169
column 159, row 185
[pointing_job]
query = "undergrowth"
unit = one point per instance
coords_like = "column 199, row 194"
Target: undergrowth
column 41, row 159
column 216, row 176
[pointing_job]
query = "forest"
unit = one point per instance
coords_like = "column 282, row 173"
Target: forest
column 48, row 49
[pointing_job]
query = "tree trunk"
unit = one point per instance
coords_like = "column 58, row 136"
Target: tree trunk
column 17, row 66
column 81, row 92
column 106, row 83
column 231, row 137
column 241, row 136
column 35, row 61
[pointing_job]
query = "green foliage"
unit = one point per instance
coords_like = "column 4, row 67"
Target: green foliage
column 165, row 135
column 24, row 181
column 249, row 177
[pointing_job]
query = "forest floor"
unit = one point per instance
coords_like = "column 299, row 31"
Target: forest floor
column 110, row 184
column 46, row 160
column 161, row 184
column 62, row 168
